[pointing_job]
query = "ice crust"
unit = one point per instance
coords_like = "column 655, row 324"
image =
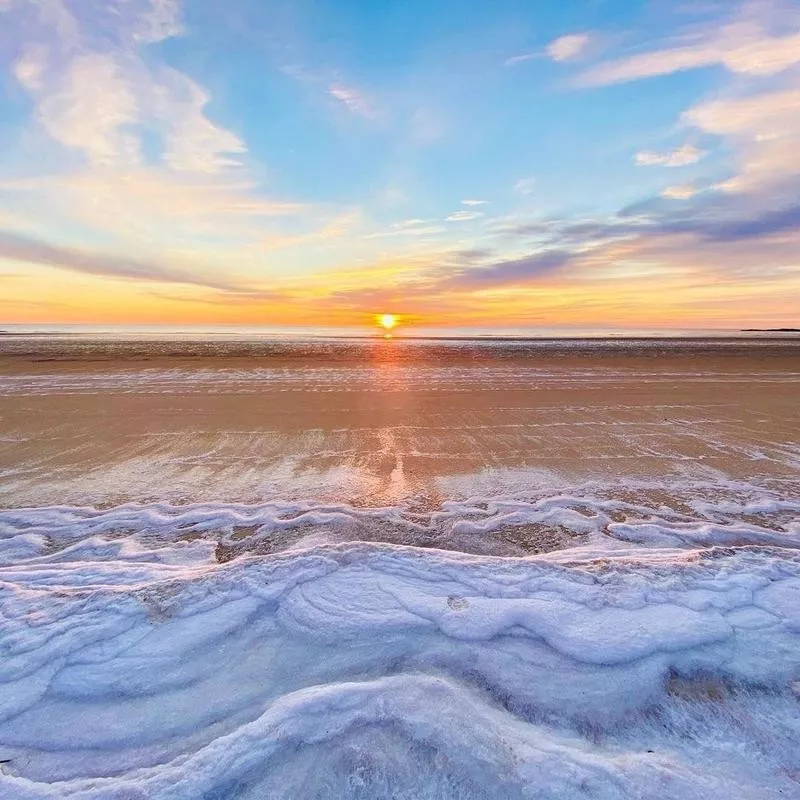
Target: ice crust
column 649, row 659
column 593, row 523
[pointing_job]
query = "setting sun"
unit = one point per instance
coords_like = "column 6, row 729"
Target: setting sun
column 387, row 321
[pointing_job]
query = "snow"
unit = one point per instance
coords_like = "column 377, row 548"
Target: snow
column 594, row 523
column 134, row 665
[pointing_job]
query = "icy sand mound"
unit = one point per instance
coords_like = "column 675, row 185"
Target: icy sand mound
column 377, row 670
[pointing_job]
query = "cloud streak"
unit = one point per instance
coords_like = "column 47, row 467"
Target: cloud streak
column 354, row 100
column 687, row 154
column 565, row 48
column 520, row 59
column 744, row 46
column 681, row 192
column 569, row 47
column 463, row 216
column 504, row 273
column 16, row 248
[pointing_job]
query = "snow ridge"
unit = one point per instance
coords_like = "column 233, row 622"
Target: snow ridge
column 163, row 673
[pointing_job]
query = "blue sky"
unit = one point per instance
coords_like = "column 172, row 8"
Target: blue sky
column 436, row 112
column 597, row 161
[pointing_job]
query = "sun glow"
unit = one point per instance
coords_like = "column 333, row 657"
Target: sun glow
column 387, row 321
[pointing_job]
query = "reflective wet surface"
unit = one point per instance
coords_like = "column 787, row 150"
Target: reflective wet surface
column 382, row 422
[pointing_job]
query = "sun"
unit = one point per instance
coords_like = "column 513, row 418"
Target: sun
column 386, row 321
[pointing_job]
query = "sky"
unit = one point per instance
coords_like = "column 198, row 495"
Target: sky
column 513, row 163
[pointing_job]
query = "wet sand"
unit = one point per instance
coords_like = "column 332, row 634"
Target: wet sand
column 385, row 422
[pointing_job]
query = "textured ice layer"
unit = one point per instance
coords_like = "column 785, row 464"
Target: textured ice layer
column 134, row 665
column 564, row 524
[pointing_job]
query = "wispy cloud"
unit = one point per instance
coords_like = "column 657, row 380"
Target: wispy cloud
column 565, row 48
column 474, row 202
column 684, row 155
column 525, row 185
column 743, row 46
column 763, row 128
column 138, row 154
column 98, row 103
column 682, row 192
column 158, row 206
column 569, row 47
column 757, row 120
column 192, row 142
column 98, row 100
column 521, row 59
column 92, row 108
column 16, row 248
column 463, row 216
column 503, row 273
column 30, row 67
column 353, row 99
column 405, row 224
column 409, row 227
column 330, row 83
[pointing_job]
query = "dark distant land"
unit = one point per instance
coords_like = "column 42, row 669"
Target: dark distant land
column 770, row 330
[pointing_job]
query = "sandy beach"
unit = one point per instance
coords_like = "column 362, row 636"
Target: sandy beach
column 374, row 423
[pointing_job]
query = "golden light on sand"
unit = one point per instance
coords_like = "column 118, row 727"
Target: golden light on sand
column 387, row 321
